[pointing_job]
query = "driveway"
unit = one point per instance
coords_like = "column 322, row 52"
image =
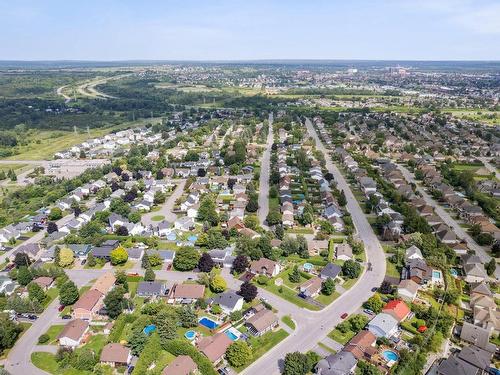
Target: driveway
column 166, row 208
column 448, row 220
column 264, row 176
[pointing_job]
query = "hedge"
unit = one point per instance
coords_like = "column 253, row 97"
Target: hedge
column 180, row 347
column 148, row 355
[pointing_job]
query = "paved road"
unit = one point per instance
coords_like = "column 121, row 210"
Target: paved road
column 264, row 176
column 490, row 167
column 314, row 326
column 223, row 139
column 446, row 217
column 167, row 207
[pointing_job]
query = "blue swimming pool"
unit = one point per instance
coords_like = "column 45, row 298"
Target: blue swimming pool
column 190, row 335
column 148, row 329
column 454, row 272
column 231, row 335
column 308, row 267
column 436, row 274
column 390, row 355
column 209, row 323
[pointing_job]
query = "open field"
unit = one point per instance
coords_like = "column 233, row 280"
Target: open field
column 483, row 116
column 42, row 144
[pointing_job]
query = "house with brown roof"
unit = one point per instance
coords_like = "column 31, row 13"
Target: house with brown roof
column 73, row 333
column 314, row 247
column 186, row 293
column 261, row 322
column 105, row 283
column 88, row 305
column 343, row 251
column 311, row 288
column 407, row 290
column 181, row 365
column 362, row 346
column 115, row 354
column 214, row 347
column 235, row 222
column 45, row 282
column 266, row 267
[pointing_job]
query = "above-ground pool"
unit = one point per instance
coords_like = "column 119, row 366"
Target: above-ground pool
column 192, row 238
column 307, row 267
column 171, row 237
column 390, row 355
column 209, row 323
column 148, row 329
column 454, row 272
column 190, row 335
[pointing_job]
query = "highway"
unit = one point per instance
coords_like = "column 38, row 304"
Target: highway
column 448, row 220
column 313, row 326
column 264, row 176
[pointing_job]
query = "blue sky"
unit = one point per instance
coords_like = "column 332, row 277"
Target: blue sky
column 251, row 29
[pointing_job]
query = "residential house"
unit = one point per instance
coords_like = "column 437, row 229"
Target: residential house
column 477, row 336
column 339, row 363
column 222, row 258
column 229, row 301
column 115, row 355
column 214, row 347
column 383, row 325
column 343, row 251
column 363, row 345
column 184, row 224
column 261, row 322
column 266, row 267
column 407, row 290
column 181, row 365
column 310, row 288
column 88, row 305
column 186, row 293
column 397, row 309
column 471, row 360
column 151, row 289
column 315, row 247
column 73, row 333
column 331, row 271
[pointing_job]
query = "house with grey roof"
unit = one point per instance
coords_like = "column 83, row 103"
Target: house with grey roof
column 471, row 360
column 222, row 258
column 477, row 336
column 383, row 325
column 229, row 301
column 330, row 271
column 151, row 289
column 341, row 363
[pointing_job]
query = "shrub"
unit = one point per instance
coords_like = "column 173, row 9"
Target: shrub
column 43, row 339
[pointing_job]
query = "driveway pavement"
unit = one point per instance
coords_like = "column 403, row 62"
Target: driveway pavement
column 264, row 176
column 446, row 217
column 490, row 167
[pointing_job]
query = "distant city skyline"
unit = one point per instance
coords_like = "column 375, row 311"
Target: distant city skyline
column 250, row 30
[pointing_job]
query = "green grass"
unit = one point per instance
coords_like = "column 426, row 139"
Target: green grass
column 289, row 295
column 327, row 348
column 158, row 218
column 53, row 332
column 326, row 300
column 287, row 319
column 51, row 294
column 341, row 338
column 47, row 362
column 391, row 269
column 260, row 345
column 125, row 266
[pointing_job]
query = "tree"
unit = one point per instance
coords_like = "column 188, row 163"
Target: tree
column 149, row 275
column 251, row 221
column 374, row 303
column 215, row 240
column 386, row 287
column 91, row 261
column 159, row 197
column 55, row 214
column 36, row 292
column 187, row 317
column 351, row 269
column 9, row 331
column 218, row 284
column 328, row 286
column 22, row 260
column 121, row 279
column 248, row 291
column 294, row 276
column 52, row 227
column 137, row 341
column 155, row 260
column 342, row 199
column 295, row 363
column 240, row 264
column 238, row 353
column 121, row 231
column 358, row 322
column 118, row 256
column 66, row 257
column 206, row 263
column 253, row 203
column 145, row 261
column 166, row 326
column 24, row 276
column 68, row 293
column 113, row 302
column 491, row 267
column 273, row 217
column 366, row 368
column 186, row 259
column 207, row 211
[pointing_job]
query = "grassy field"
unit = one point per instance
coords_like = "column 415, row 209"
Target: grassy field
column 287, row 319
column 53, row 332
column 42, row 144
column 158, row 218
column 341, row 338
column 483, row 116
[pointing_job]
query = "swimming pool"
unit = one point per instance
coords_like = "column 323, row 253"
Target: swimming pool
column 390, row 355
column 148, row 329
column 209, row 323
column 454, row 272
column 231, row 335
column 307, row 267
column 190, row 335
column 436, row 274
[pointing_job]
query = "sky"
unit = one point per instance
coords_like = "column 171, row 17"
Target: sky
column 249, row 29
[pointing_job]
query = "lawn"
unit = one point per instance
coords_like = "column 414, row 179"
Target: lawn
column 326, row 347
column 288, row 294
column 25, row 326
column 47, row 362
column 53, row 332
column 391, row 269
column 51, row 294
column 326, row 300
column 260, row 345
column 158, row 218
column 341, row 338
column 287, row 319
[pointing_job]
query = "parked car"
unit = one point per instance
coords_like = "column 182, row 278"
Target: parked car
column 32, row 317
column 66, row 317
column 368, row 311
column 83, row 262
column 344, row 315
column 61, row 308
column 374, row 289
column 132, row 274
